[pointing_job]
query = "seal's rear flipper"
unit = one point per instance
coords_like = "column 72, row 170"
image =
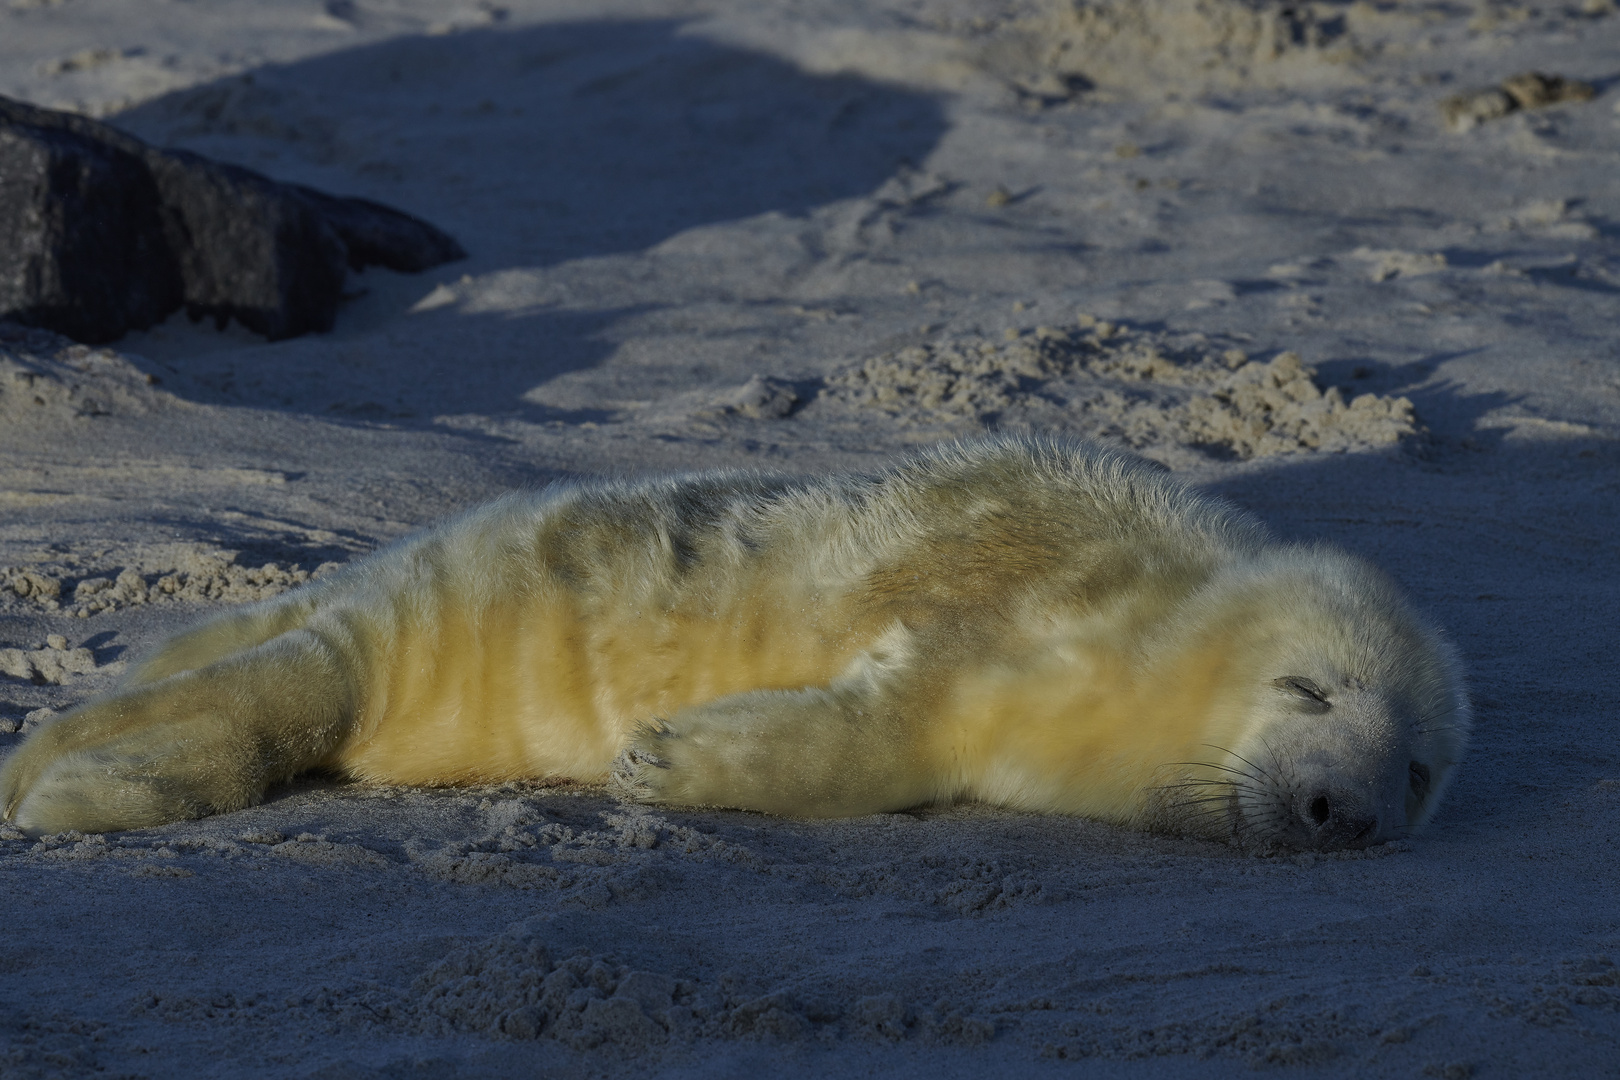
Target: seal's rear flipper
column 195, row 743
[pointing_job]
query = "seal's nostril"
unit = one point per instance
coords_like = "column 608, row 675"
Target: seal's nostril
column 1321, row 810
column 1329, row 819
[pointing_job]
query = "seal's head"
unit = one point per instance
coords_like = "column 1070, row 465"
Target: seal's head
column 1344, row 713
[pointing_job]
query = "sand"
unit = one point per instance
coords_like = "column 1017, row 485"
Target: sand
column 1251, row 241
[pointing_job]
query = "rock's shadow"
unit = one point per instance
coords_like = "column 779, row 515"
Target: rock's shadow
column 532, row 147
column 598, row 137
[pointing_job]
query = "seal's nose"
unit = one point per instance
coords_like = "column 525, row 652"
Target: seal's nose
column 1336, row 819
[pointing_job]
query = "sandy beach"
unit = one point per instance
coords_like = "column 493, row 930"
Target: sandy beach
column 1248, row 240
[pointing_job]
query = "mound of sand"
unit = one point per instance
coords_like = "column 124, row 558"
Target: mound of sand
column 1055, row 48
column 1136, row 387
column 48, row 379
column 511, row 986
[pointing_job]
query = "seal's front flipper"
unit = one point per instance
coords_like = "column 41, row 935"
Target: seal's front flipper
column 836, row 751
column 195, row 743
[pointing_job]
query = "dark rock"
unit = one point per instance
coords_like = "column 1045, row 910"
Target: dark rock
column 100, row 234
column 82, row 240
column 378, row 235
column 250, row 248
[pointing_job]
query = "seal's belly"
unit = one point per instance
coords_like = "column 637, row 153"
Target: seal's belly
column 556, row 686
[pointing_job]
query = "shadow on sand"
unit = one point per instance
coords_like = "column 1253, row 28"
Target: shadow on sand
column 533, row 147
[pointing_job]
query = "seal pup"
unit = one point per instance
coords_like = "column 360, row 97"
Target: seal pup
column 1044, row 624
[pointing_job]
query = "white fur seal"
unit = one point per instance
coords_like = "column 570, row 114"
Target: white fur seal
column 1042, row 624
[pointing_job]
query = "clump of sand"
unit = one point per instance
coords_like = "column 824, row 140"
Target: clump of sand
column 512, row 986
column 1527, row 90
column 55, row 664
column 208, row 576
column 1136, row 387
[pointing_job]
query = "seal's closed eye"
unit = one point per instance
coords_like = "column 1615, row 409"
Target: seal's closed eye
column 1303, row 687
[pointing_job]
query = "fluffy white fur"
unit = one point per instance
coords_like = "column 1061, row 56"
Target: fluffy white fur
column 1042, row 624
